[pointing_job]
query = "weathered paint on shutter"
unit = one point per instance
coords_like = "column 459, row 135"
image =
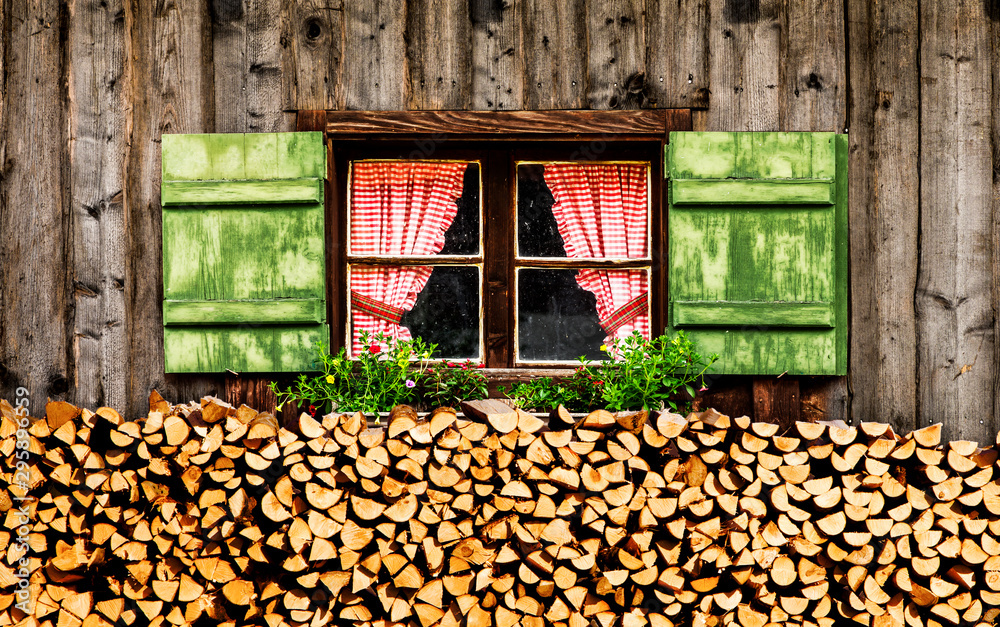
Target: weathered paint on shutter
column 243, row 251
column 758, row 249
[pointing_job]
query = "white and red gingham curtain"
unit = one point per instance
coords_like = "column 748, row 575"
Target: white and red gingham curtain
column 397, row 208
column 602, row 212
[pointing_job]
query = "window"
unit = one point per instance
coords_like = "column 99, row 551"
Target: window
column 262, row 255
column 515, row 254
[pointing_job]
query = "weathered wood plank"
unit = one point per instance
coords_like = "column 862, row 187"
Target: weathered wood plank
column 745, row 64
column 285, row 310
column 375, row 66
column 496, row 65
column 241, row 192
column 171, row 91
column 242, row 348
column 96, row 154
column 34, row 206
column 554, row 54
column 616, row 54
column 247, row 59
column 884, row 210
column 994, row 14
column 813, row 92
column 647, row 122
column 777, row 401
column 955, row 319
column 313, row 72
column 718, row 313
column 439, row 54
column 678, row 55
column 761, row 193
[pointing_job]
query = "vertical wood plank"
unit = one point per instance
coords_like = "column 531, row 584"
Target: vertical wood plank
column 955, row 319
column 813, row 94
column 313, row 31
column 171, row 91
column 745, row 40
column 776, row 400
column 884, row 209
column 247, row 60
column 616, row 55
column 96, row 148
column 375, row 66
column 554, row 53
column 496, row 64
column 439, row 54
column 994, row 15
column 677, row 58
column 34, row 205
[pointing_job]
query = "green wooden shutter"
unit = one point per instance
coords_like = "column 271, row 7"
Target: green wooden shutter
column 243, row 251
column 758, row 249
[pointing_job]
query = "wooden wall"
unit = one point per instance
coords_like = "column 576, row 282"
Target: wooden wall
column 88, row 87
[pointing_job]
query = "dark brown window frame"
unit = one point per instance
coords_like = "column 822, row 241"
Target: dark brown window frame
column 346, row 130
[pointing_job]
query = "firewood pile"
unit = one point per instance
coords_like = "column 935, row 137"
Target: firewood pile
column 210, row 514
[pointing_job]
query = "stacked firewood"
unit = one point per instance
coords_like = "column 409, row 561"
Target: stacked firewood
column 211, row 514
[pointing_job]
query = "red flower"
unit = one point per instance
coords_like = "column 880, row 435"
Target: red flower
column 374, row 349
column 481, row 366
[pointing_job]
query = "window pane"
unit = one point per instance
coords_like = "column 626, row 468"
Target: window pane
column 414, row 208
column 563, row 314
column 583, row 210
column 440, row 304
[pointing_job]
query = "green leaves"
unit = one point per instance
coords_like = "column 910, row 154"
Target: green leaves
column 386, row 373
column 642, row 373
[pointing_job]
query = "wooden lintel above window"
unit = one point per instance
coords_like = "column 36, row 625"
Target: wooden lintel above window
column 620, row 125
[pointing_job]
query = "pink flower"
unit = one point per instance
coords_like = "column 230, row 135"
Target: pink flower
column 410, row 383
column 702, row 388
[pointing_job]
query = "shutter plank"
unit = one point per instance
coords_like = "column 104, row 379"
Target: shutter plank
column 720, row 313
column 243, row 348
column 753, row 192
column 751, row 156
column 180, row 193
column 760, row 349
column 278, row 311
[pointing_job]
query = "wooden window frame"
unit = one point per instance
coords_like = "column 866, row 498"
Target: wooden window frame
column 424, row 130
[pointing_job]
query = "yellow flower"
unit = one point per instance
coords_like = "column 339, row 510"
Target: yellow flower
column 604, row 347
column 329, row 378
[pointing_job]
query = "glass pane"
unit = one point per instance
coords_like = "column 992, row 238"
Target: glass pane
column 563, row 314
column 583, row 210
column 440, row 304
column 414, row 208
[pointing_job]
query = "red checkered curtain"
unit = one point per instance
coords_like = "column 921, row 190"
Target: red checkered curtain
column 397, row 208
column 602, row 212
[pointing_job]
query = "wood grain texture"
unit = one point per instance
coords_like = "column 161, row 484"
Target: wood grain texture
column 554, row 53
column 313, row 32
column 496, row 65
column 616, row 55
column 955, row 319
column 439, row 54
column 375, row 67
column 34, row 206
column 884, row 210
column 530, row 123
column 813, row 91
column 96, row 151
column 171, row 91
column 677, row 53
column 995, row 236
column 777, row 401
column 745, row 65
column 247, row 63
